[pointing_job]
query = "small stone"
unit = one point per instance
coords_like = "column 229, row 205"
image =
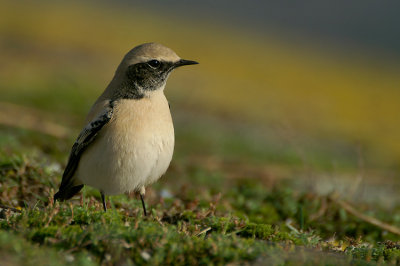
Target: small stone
column 69, row 258
column 145, row 255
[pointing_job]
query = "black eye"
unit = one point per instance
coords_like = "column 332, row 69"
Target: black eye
column 154, row 63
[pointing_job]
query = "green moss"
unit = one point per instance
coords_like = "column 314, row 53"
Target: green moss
column 222, row 225
column 40, row 234
column 285, row 237
column 16, row 250
column 261, row 231
column 392, row 255
column 207, row 219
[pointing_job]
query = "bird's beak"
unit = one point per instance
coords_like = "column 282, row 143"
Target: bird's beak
column 184, row 62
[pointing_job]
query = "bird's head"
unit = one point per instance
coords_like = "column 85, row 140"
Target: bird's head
column 146, row 68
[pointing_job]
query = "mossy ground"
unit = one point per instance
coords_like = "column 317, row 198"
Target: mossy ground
column 196, row 216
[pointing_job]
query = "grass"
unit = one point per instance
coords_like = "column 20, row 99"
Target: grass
column 264, row 154
column 197, row 217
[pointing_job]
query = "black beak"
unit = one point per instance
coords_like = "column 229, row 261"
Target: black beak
column 184, row 62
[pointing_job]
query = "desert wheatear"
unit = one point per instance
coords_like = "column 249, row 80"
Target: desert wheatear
column 128, row 140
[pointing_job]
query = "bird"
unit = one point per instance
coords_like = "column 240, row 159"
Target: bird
column 128, row 140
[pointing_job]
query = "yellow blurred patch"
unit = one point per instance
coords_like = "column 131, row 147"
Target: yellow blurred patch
column 259, row 78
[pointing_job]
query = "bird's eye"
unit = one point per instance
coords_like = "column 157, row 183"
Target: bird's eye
column 154, row 63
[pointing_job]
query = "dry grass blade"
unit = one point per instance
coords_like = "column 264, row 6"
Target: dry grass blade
column 321, row 211
column 350, row 209
column 204, row 231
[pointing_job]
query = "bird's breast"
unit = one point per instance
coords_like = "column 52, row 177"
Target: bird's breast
column 141, row 128
column 134, row 149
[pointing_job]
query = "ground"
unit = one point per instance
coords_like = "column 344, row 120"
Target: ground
column 205, row 210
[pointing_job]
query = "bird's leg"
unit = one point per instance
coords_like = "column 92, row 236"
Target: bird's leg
column 142, row 192
column 103, row 199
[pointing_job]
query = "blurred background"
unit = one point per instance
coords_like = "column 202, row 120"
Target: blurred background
column 303, row 92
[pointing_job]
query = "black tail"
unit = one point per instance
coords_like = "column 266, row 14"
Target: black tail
column 67, row 193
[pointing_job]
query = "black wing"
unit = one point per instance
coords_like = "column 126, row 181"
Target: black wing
column 68, row 188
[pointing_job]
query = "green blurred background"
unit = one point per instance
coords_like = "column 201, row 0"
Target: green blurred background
column 305, row 92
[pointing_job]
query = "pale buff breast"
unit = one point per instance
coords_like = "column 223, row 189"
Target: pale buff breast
column 133, row 150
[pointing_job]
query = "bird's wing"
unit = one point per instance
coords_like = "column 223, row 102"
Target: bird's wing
column 68, row 187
